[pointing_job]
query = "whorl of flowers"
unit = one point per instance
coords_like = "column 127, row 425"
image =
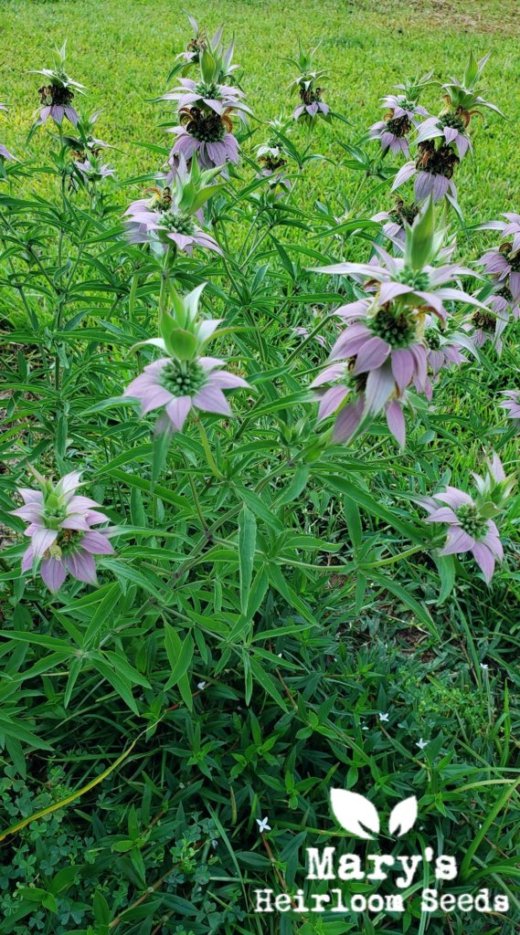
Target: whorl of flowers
column 470, row 520
column 57, row 94
column 4, row 152
column 206, row 108
column 403, row 113
column 502, row 264
column 385, row 348
column 60, row 529
column 444, row 140
column 171, row 214
column 185, row 379
column 306, row 83
column 86, row 150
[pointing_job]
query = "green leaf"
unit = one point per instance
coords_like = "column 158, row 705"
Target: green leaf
column 179, row 652
column 246, row 554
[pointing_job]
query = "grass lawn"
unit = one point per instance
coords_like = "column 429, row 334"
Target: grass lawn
column 122, row 51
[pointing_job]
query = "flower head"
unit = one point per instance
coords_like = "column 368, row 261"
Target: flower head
column 60, row 529
column 385, row 344
column 470, row 521
column 263, row 824
column 185, row 379
column 58, row 92
column 308, row 89
column 172, row 212
column 206, row 135
column 403, row 113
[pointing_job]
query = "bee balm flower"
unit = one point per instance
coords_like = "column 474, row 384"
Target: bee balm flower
column 60, row 529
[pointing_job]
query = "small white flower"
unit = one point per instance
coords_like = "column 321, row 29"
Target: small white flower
column 422, row 744
column 280, row 655
column 484, row 666
column 383, row 717
column 263, row 825
column 201, row 686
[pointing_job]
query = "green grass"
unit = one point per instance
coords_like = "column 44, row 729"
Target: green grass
column 123, row 52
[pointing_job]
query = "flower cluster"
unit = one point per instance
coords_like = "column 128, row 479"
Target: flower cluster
column 403, row 113
column 86, row 151
column 502, row 264
column 185, row 379
column 171, row 212
column 206, row 108
column 389, row 341
column 442, row 141
column 306, row 83
column 471, row 526
column 57, row 94
column 60, row 529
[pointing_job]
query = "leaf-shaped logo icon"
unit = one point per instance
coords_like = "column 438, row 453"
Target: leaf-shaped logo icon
column 403, row 816
column 354, row 813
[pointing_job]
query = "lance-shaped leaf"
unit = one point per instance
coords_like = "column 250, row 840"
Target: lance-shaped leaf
column 355, row 813
column 403, row 816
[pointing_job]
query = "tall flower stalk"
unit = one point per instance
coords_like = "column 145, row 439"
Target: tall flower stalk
column 443, row 141
column 206, row 108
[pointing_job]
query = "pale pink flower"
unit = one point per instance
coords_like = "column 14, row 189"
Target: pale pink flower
column 60, row 529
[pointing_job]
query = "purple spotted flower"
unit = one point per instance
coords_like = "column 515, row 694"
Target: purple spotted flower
column 186, row 379
column 306, row 83
column 57, row 94
column 206, row 108
column 60, row 529
column 172, row 213
column 394, row 221
column 92, row 169
column 401, row 117
column 342, row 393
column 488, row 324
column 179, row 386
column 433, row 171
column 444, row 347
column 385, row 343
column 449, row 129
column 207, row 136
column 503, row 262
column 428, row 287
column 511, row 403
column 219, row 98
column 468, row 530
column 311, row 104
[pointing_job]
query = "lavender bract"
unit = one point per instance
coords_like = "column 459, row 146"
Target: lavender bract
column 470, row 524
column 385, row 341
column 403, row 114
column 511, row 403
column 186, row 379
column 60, row 529
column 171, row 214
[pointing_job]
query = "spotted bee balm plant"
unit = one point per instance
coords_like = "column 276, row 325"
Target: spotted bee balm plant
column 260, row 409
